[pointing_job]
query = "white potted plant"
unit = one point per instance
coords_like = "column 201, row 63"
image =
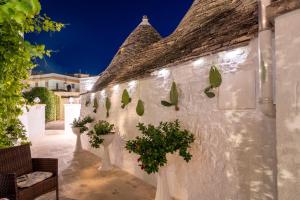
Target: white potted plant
column 153, row 147
column 79, row 127
column 102, row 133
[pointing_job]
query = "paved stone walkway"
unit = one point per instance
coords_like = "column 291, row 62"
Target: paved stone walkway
column 79, row 178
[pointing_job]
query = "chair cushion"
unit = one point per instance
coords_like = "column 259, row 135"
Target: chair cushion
column 33, row 178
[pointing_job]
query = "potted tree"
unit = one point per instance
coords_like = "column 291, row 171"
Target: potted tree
column 102, row 133
column 78, row 127
column 153, row 147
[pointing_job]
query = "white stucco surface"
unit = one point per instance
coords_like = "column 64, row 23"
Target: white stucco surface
column 34, row 121
column 72, row 111
column 287, row 29
column 234, row 152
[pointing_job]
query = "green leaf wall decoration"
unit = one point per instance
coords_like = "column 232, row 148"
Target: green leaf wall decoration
column 215, row 80
column 173, row 98
column 107, row 106
column 96, row 105
column 140, row 108
column 125, row 99
column 87, row 103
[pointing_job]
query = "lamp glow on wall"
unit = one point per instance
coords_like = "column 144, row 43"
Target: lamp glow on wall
column 116, row 88
column 132, row 85
column 162, row 73
column 198, row 63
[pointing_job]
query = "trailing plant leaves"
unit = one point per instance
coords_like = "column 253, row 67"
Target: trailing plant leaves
column 96, row 135
column 125, row 99
column 140, row 108
column 215, row 77
column 107, row 106
column 155, row 143
column 209, row 93
column 165, row 103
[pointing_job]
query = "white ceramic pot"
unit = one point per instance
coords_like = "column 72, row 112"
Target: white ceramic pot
column 78, row 145
column 162, row 189
column 106, row 163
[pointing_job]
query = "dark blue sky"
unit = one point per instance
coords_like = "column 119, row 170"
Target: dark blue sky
column 97, row 28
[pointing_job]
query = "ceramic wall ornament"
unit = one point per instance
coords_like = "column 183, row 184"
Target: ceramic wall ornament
column 140, row 110
column 215, row 80
column 96, row 105
column 107, row 106
column 174, row 96
column 125, row 99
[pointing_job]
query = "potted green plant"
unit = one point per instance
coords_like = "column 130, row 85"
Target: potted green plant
column 78, row 127
column 102, row 133
column 153, row 147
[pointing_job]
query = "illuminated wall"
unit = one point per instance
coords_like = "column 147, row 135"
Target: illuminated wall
column 234, row 152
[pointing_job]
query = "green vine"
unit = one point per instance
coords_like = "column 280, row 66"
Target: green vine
column 125, row 99
column 107, row 106
column 156, row 142
column 140, row 110
column 18, row 57
column 215, row 80
column 173, row 98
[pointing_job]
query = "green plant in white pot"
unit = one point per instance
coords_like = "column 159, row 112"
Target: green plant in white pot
column 102, row 133
column 153, row 147
column 79, row 127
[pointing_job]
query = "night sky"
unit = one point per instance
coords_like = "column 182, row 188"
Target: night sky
column 97, row 28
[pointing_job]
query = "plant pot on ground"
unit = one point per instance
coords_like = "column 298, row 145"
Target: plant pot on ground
column 153, row 147
column 102, row 133
column 79, row 127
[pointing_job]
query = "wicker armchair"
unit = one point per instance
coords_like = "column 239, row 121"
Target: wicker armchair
column 17, row 161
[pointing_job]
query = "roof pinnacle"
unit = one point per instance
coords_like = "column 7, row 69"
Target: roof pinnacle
column 145, row 20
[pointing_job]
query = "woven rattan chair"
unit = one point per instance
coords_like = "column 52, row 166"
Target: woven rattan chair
column 17, row 161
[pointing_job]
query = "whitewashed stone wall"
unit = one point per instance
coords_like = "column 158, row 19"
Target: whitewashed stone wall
column 287, row 37
column 33, row 120
column 234, row 152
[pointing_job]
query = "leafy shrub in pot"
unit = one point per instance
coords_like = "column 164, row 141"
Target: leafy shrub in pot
column 100, row 129
column 156, row 142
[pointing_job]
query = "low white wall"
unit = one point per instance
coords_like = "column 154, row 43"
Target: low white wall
column 34, row 121
column 287, row 30
column 72, row 111
column 234, row 152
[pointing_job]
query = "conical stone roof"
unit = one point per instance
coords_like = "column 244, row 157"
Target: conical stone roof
column 210, row 26
column 142, row 36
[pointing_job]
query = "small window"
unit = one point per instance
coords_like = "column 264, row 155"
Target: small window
column 56, row 86
column 47, row 84
column 73, row 86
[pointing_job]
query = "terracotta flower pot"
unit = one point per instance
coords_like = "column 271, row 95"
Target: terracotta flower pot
column 106, row 163
column 78, row 145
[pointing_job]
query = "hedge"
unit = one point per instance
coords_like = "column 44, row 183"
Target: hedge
column 47, row 97
column 57, row 106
